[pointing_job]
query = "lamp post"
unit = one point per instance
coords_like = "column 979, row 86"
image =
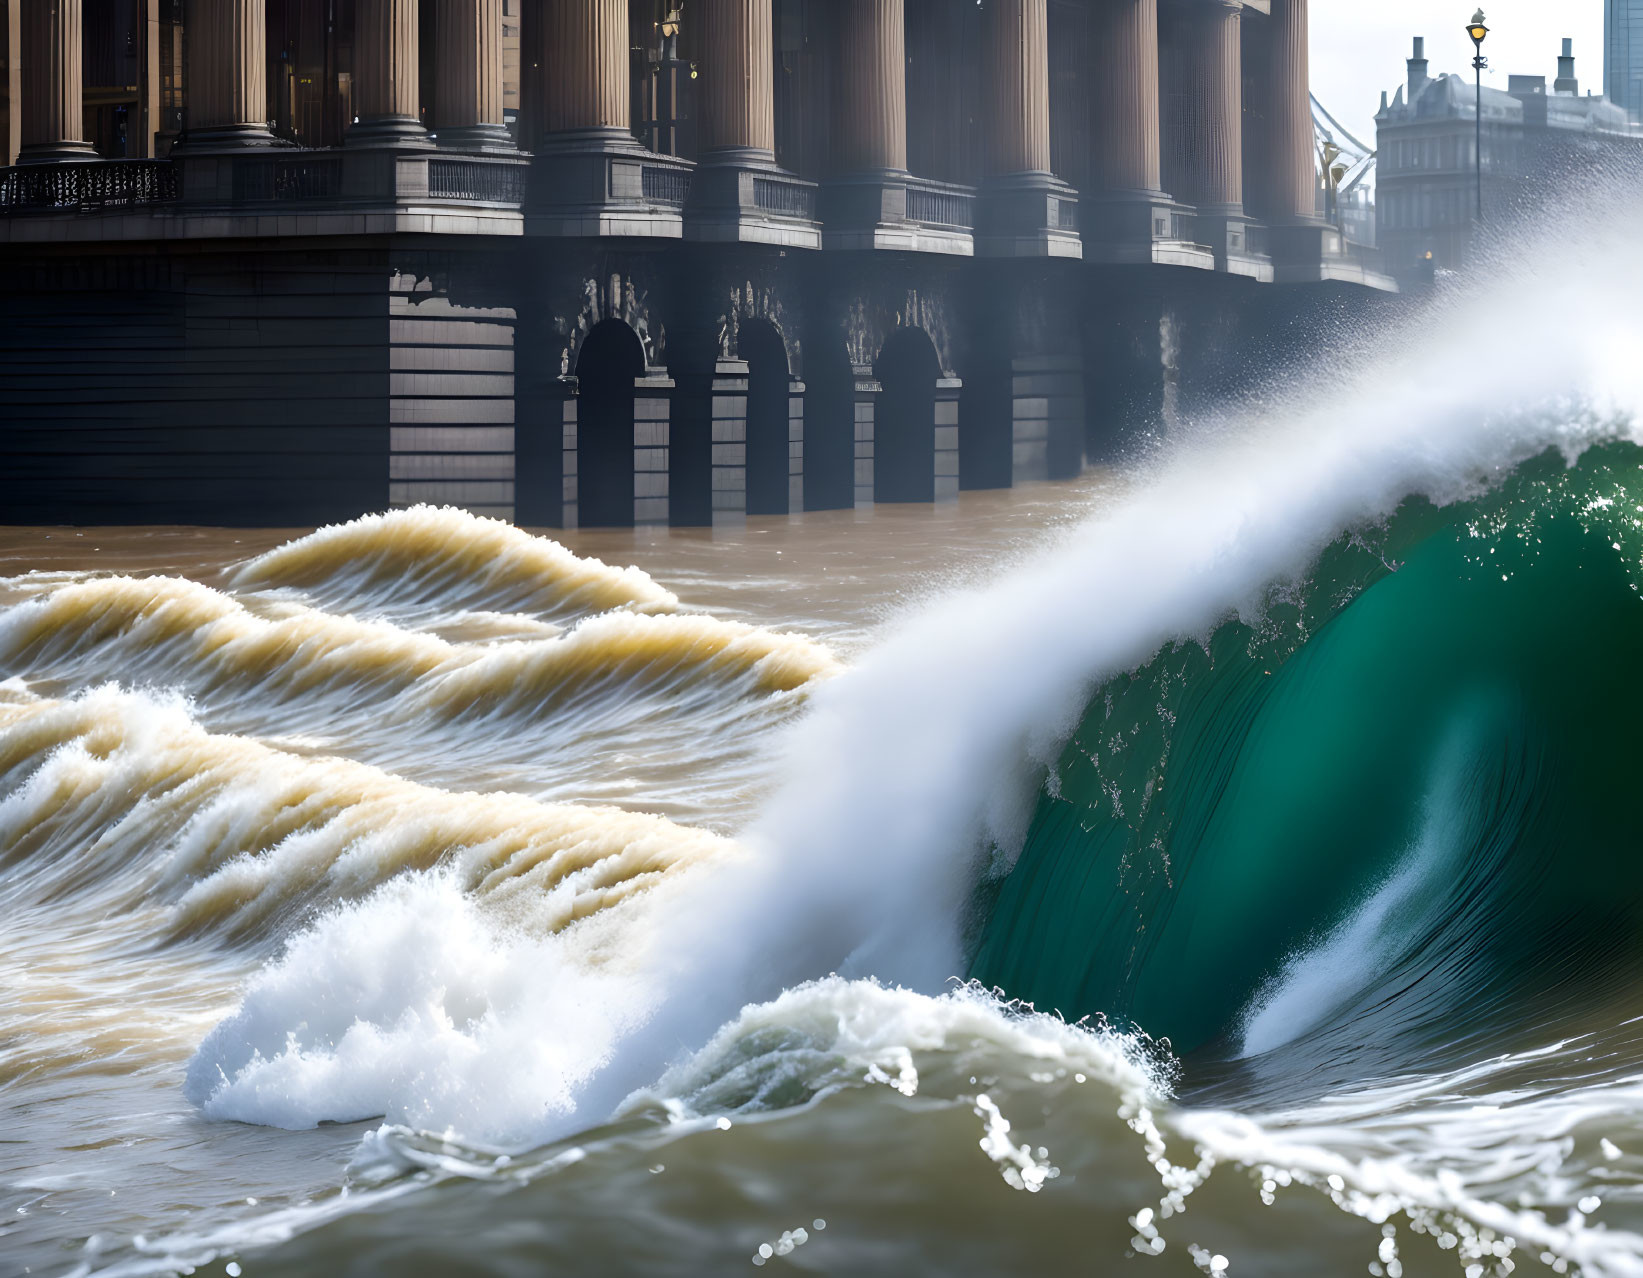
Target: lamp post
column 1478, row 31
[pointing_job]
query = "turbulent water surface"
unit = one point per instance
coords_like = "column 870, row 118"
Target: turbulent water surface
column 1229, row 864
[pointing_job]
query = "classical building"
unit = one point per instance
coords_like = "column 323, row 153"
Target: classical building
column 617, row 261
column 1534, row 140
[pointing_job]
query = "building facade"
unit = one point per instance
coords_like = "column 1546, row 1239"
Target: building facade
column 1535, row 141
column 708, row 259
column 1623, row 55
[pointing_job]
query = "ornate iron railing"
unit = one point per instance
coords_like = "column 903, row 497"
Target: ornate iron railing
column 281, row 178
column 784, row 197
column 665, row 183
column 478, row 180
column 89, row 187
column 937, row 204
column 314, row 177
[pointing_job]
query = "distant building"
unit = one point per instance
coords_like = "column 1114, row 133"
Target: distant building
column 1355, row 215
column 1532, row 141
column 1623, row 55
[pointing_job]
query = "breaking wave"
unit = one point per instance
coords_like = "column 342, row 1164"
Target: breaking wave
column 123, row 795
column 437, row 560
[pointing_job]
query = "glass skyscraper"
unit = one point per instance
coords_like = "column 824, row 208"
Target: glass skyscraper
column 1623, row 55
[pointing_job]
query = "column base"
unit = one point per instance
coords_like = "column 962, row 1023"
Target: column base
column 398, row 132
column 1236, row 240
column 593, row 183
column 228, row 137
column 490, row 138
column 741, row 196
column 1128, row 228
column 1027, row 215
column 1311, row 251
column 890, row 209
column 57, row 153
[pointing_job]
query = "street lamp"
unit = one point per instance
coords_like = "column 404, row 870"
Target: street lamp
column 1478, row 32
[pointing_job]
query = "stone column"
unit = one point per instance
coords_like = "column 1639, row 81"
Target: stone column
column 1207, row 146
column 738, row 111
column 1124, row 131
column 53, row 107
column 871, row 126
column 388, row 96
column 11, row 83
column 1022, row 209
column 1291, row 175
column 468, row 92
column 227, row 74
column 1018, row 86
column 585, row 85
column 148, row 107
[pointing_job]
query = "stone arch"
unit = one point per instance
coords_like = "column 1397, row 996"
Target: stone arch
column 760, row 344
column 613, row 295
column 904, row 427
column 609, row 360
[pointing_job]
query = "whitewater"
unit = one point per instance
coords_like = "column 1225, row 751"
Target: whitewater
column 651, row 903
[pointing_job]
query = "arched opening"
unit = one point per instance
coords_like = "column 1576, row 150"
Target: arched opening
column 829, row 427
column 904, row 427
column 986, row 433
column 610, row 359
column 767, row 429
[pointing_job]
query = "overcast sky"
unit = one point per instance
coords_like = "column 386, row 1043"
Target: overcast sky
column 1359, row 46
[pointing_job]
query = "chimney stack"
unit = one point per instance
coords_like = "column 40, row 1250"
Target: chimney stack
column 1566, row 82
column 1417, row 70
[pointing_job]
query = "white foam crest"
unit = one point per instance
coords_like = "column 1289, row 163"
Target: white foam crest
column 826, row 1034
column 419, row 1006
column 1473, row 1153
